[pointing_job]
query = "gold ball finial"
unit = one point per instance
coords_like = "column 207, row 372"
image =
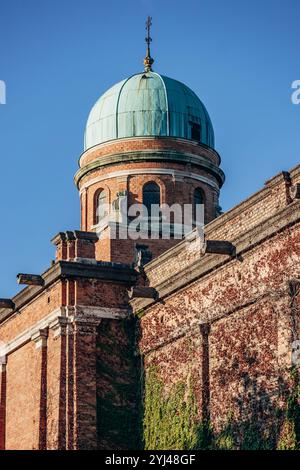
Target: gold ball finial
column 148, row 62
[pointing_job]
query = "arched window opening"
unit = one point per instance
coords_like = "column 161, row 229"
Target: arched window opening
column 151, row 197
column 198, row 206
column 101, row 211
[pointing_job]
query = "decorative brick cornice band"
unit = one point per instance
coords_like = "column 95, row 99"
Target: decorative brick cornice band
column 154, row 156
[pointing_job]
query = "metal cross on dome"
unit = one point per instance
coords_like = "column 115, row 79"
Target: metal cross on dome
column 148, row 61
column 148, row 28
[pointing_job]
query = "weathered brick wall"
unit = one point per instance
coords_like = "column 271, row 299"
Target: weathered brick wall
column 150, row 143
column 240, row 370
column 48, row 388
column 93, row 292
column 23, row 399
column 118, row 386
column 231, row 226
column 56, row 393
column 176, row 178
column 217, row 340
column 244, row 373
column 44, row 304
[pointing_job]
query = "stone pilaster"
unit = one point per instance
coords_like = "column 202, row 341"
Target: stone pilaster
column 70, row 387
column 40, row 338
column 59, row 327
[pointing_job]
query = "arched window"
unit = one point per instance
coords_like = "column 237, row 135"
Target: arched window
column 198, row 212
column 101, row 210
column 151, row 196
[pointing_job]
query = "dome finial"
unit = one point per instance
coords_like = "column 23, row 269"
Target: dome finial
column 148, row 61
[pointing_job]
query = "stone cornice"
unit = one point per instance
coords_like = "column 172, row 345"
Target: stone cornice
column 151, row 155
column 109, row 272
column 204, row 265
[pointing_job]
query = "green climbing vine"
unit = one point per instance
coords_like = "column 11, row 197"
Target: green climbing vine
column 289, row 438
column 170, row 422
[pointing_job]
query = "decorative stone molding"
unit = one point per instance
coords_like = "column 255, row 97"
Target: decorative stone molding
column 30, row 279
column 60, row 321
column 86, row 326
column 3, row 362
column 59, row 326
column 89, row 313
column 141, row 292
column 40, row 338
column 27, row 334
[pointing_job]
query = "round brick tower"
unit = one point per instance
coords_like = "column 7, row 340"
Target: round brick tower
column 148, row 139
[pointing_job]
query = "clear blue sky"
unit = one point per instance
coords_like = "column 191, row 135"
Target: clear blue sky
column 58, row 56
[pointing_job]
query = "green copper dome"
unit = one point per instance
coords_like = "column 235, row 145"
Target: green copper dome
column 148, row 104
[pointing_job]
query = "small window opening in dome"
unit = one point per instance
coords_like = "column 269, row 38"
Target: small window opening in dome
column 195, row 131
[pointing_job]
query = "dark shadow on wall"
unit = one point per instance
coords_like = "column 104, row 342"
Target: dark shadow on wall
column 259, row 422
column 118, row 385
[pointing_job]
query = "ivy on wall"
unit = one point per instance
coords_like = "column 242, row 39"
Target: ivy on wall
column 171, row 421
column 289, row 438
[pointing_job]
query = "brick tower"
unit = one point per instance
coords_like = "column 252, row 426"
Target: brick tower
column 148, row 139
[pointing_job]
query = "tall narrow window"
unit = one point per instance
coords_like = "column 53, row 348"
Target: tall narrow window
column 151, row 196
column 195, row 131
column 198, row 206
column 101, row 206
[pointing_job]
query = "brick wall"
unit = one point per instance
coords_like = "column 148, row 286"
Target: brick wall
column 118, row 386
column 175, row 188
column 150, row 143
column 23, row 395
column 48, row 388
column 245, row 305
